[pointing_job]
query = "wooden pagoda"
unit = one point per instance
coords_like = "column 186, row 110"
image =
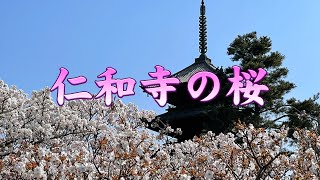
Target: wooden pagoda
column 192, row 116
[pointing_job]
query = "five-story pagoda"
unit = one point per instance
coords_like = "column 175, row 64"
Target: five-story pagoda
column 191, row 115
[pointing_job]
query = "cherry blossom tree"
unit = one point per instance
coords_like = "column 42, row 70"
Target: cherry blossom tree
column 84, row 139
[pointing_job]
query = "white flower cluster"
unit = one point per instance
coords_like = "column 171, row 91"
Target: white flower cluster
column 87, row 140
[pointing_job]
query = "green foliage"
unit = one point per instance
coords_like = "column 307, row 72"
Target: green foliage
column 254, row 52
column 303, row 114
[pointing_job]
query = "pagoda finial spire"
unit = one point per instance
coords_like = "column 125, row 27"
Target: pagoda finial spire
column 202, row 35
column 203, row 29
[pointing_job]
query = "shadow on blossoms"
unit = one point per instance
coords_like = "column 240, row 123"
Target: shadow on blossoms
column 85, row 139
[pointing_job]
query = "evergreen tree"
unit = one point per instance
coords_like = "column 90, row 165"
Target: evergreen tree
column 254, row 52
column 303, row 114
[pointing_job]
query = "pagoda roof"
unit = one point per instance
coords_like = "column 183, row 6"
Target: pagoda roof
column 193, row 113
column 198, row 66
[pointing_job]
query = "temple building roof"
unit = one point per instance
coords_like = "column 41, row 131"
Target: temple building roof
column 199, row 65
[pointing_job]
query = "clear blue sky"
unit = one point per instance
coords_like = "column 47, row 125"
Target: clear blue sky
column 38, row 37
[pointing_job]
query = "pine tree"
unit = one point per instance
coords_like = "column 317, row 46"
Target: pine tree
column 254, row 52
column 303, row 114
